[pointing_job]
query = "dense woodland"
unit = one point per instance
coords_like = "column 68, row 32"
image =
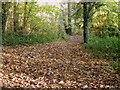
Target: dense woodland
column 60, row 45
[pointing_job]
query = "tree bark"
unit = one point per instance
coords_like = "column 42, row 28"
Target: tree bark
column 119, row 15
column 0, row 23
column 4, row 16
column 15, row 16
column 69, row 30
column 25, row 16
column 85, row 34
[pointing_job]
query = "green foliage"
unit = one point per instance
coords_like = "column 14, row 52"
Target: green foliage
column 103, row 45
column 105, row 31
column 12, row 38
column 53, row 10
column 116, row 65
column 107, row 47
column 44, row 17
column 105, row 20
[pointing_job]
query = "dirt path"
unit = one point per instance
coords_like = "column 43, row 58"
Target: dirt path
column 55, row 65
column 76, row 38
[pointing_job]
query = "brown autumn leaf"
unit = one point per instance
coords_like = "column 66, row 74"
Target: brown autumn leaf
column 55, row 65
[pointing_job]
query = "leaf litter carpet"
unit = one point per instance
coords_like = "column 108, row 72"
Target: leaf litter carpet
column 55, row 65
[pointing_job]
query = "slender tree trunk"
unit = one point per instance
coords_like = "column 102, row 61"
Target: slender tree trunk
column 25, row 16
column 119, row 15
column 4, row 16
column 85, row 34
column 28, row 19
column 0, row 23
column 15, row 16
column 119, row 21
column 64, row 20
column 69, row 31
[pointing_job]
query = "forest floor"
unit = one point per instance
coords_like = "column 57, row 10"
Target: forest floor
column 61, row 64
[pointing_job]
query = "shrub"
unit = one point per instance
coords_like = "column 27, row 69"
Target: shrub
column 12, row 38
column 107, row 47
column 103, row 45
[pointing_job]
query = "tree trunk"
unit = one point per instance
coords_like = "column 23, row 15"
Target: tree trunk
column 25, row 16
column 15, row 16
column 85, row 34
column 0, row 23
column 119, row 15
column 69, row 30
column 4, row 16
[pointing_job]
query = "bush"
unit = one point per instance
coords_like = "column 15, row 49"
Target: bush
column 12, row 38
column 103, row 45
column 107, row 47
column 104, row 31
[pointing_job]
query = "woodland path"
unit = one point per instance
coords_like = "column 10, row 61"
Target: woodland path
column 58, row 64
column 76, row 38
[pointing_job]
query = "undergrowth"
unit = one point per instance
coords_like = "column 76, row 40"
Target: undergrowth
column 17, row 38
column 107, row 48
